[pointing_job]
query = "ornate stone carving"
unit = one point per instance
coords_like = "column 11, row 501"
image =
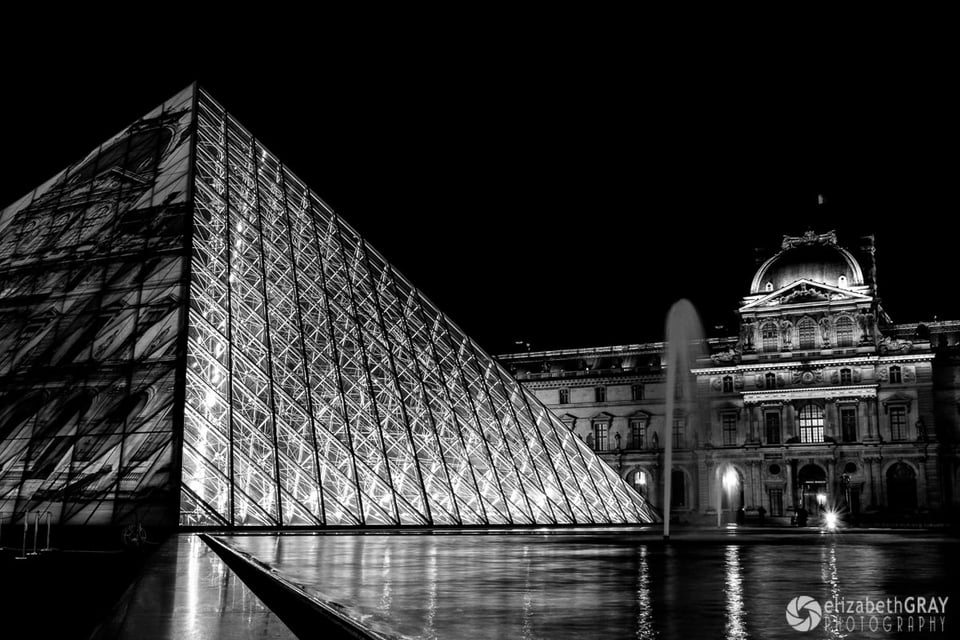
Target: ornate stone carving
column 893, row 345
column 803, row 293
column 810, row 237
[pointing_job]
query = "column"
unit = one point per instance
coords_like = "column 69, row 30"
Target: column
column 871, row 489
column 791, row 500
column 880, row 481
column 922, row 482
column 789, row 420
column 832, row 416
column 832, row 479
column 873, row 431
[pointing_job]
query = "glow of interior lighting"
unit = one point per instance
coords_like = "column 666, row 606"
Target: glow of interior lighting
column 210, row 399
column 821, row 499
column 830, row 520
column 729, row 479
column 641, row 479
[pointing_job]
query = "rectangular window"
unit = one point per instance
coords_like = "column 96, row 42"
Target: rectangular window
column 638, row 434
column 769, row 335
column 772, row 422
column 600, row 394
column 636, row 392
column 678, row 439
column 728, row 384
column 848, row 424
column 776, row 502
column 564, row 396
column 895, row 375
column 729, row 422
column 898, row 423
column 846, row 376
column 807, row 331
column 600, row 436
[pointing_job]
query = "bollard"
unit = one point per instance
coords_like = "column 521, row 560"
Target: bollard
column 36, row 528
column 26, row 527
column 49, row 517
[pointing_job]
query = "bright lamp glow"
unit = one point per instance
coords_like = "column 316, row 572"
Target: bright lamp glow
column 830, row 520
column 821, row 499
column 641, row 478
column 729, row 479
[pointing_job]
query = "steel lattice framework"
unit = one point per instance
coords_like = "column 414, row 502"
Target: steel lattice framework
column 319, row 387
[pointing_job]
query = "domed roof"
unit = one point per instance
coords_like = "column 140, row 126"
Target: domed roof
column 812, row 257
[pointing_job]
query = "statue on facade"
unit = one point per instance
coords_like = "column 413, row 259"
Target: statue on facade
column 825, row 330
column 786, row 334
column 746, row 335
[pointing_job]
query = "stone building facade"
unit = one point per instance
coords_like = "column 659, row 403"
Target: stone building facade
column 819, row 401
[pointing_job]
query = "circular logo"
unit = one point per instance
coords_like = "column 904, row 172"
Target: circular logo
column 804, row 613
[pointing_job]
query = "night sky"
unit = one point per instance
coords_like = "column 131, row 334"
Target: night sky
column 563, row 197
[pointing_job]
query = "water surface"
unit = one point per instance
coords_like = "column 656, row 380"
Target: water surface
column 616, row 585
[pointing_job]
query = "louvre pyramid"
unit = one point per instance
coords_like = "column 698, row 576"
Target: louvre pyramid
column 189, row 334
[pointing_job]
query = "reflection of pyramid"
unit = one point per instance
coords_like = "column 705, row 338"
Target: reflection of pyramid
column 311, row 383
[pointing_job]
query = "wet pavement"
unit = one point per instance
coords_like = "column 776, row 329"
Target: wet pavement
column 187, row 593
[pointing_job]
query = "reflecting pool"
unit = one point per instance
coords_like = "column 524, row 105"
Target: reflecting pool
column 618, row 585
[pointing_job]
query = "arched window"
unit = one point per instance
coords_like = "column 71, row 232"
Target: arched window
column 768, row 287
column 807, row 330
column 842, row 282
column 641, row 482
column 901, row 487
column 844, row 331
column 811, row 423
column 768, row 334
column 770, row 381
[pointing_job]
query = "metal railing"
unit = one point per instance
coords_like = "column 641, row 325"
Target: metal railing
column 37, row 516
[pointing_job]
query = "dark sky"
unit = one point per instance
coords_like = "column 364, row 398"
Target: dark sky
column 565, row 196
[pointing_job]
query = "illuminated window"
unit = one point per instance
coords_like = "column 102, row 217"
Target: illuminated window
column 772, row 422
column 768, row 287
column 769, row 336
column 842, row 282
column 895, row 375
column 807, row 330
column 729, row 423
column 811, row 424
column 600, row 394
column 641, row 482
column 636, row 392
column 846, row 376
column 564, row 396
column 848, row 424
column 844, row 332
column 898, row 423
column 600, row 436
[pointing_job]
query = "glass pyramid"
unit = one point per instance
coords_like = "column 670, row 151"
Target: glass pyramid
column 189, row 334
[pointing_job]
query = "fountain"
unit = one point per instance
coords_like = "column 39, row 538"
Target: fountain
column 684, row 345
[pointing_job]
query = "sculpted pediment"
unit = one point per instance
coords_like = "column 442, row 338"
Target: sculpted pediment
column 803, row 292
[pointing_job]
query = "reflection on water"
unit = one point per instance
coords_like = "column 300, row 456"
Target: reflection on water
column 736, row 628
column 599, row 586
